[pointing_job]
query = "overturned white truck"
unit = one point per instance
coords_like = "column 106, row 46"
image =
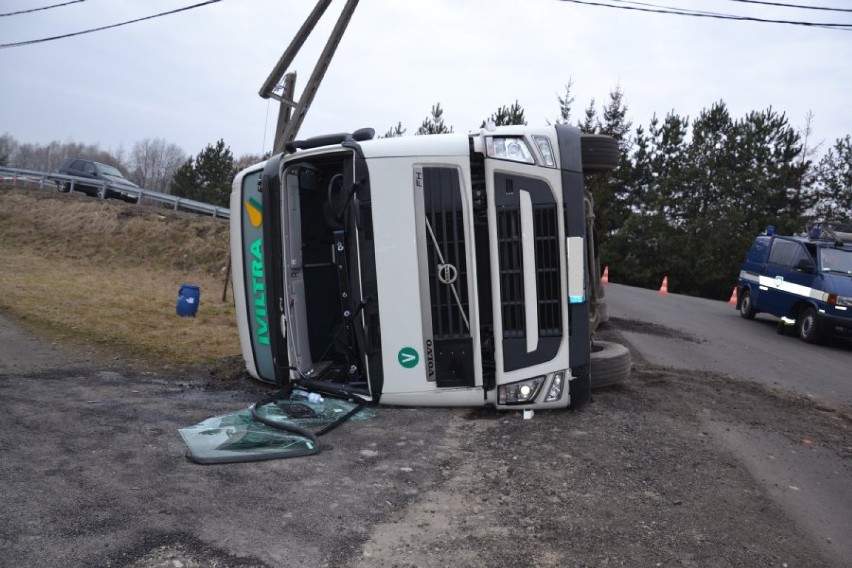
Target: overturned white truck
column 444, row 270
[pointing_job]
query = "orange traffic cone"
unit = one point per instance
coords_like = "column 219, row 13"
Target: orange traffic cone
column 733, row 299
column 605, row 277
column 664, row 289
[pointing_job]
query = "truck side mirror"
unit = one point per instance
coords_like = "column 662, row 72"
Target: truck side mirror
column 805, row 265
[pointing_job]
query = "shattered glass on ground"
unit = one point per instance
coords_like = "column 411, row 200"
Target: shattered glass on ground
column 238, row 437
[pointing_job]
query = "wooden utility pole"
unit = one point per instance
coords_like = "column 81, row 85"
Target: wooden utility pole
column 291, row 113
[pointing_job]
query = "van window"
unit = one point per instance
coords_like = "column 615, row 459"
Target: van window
column 836, row 260
column 786, row 253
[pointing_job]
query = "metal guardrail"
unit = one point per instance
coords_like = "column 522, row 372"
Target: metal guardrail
column 54, row 181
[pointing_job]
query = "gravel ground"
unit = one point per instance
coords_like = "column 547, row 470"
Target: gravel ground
column 93, row 474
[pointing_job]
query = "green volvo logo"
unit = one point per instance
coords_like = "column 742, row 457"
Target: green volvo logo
column 408, row 357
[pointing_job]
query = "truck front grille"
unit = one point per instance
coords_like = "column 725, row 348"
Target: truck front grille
column 547, row 271
column 512, row 271
column 451, row 357
column 445, row 217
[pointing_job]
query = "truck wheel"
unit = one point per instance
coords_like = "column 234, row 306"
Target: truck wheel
column 746, row 306
column 808, row 326
column 599, row 153
column 610, row 364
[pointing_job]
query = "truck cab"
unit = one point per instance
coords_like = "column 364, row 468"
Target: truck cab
column 443, row 270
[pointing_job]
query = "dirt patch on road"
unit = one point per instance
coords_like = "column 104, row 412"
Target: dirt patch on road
column 650, row 328
column 95, row 475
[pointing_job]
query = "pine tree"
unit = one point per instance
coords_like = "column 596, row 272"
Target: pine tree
column 505, row 116
column 589, row 125
column 208, row 176
column 614, row 121
column 434, row 124
column 565, row 104
column 833, row 186
column 609, row 190
column 394, row 131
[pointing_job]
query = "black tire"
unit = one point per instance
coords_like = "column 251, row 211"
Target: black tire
column 808, row 326
column 610, row 364
column 599, row 153
column 102, row 192
column 746, row 305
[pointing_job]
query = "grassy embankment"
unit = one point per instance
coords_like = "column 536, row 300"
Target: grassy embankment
column 108, row 273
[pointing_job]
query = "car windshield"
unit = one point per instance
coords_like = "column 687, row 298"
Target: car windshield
column 109, row 171
column 836, row 260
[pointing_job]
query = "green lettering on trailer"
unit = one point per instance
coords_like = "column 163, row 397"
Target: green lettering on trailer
column 259, row 293
column 256, row 302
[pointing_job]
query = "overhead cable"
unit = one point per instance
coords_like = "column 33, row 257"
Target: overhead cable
column 39, row 9
column 799, row 6
column 42, row 40
column 669, row 9
column 696, row 14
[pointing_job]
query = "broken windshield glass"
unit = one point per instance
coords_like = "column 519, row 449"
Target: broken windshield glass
column 239, row 437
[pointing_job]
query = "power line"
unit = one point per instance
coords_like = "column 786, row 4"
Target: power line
column 800, row 6
column 696, row 14
column 39, row 9
column 669, row 9
column 32, row 41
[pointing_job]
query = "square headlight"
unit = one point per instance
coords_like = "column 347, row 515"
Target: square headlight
column 521, row 392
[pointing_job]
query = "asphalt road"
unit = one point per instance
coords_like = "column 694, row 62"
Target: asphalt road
column 711, row 336
column 693, row 334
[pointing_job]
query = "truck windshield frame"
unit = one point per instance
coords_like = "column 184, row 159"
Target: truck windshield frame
column 322, row 305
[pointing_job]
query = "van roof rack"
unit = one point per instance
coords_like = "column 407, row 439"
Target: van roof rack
column 839, row 232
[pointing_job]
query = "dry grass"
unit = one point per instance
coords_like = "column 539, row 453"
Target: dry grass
column 108, row 273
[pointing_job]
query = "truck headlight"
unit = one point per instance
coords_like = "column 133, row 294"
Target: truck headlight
column 520, row 392
column 556, row 384
column 836, row 300
column 512, row 148
column 546, row 151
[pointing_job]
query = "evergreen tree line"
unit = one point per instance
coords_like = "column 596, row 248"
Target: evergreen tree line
column 690, row 195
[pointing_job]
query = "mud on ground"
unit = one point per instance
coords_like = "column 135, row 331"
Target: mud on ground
column 94, row 474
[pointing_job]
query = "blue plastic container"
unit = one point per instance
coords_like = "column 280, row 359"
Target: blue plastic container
column 189, row 297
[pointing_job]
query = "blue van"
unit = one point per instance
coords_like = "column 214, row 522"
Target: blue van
column 804, row 281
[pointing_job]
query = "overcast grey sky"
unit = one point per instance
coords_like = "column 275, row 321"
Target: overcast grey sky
column 193, row 77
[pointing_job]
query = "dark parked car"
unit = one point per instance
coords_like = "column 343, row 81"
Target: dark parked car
column 109, row 181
